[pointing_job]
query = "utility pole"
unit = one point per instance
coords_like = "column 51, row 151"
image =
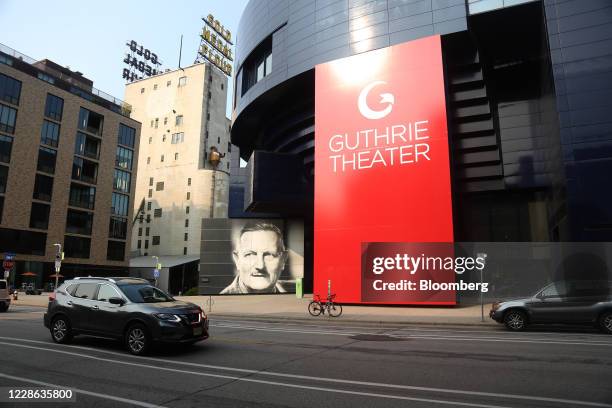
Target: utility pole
column 59, row 256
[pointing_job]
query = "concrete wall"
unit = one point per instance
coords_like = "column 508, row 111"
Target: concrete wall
column 163, row 100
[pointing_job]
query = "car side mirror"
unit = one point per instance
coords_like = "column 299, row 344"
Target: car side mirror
column 116, row 301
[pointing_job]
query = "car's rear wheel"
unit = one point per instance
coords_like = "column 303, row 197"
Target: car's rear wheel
column 515, row 320
column 605, row 322
column 137, row 339
column 61, row 330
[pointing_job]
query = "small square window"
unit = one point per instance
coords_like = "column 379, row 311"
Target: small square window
column 147, row 231
column 150, row 181
column 157, row 213
column 175, row 156
column 146, row 244
column 187, row 223
column 159, row 186
column 155, row 240
column 165, row 121
column 141, row 90
column 140, row 232
column 187, row 210
column 150, row 140
column 162, row 158
column 155, row 87
column 152, row 122
column 184, row 250
column 156, row 122
column 182, row 81
column 148, row 160
column 163, row 138
column 188, row 195
column 139, row 244
column 149, row 206
column 189, row 181
column 150, row 193
column 179, row 120
column 168, row 83
column 186, row 236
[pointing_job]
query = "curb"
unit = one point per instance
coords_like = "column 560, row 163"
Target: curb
column 341, row 320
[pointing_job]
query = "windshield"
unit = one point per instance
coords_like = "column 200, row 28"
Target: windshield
column 144, row 294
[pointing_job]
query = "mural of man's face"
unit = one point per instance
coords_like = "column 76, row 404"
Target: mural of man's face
column 259, row 260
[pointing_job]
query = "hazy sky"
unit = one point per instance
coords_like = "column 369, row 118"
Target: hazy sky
column 90, row 36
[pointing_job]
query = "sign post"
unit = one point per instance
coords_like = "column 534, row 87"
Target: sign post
column 483, row 256
column 59, row 256
column 157, row 268
column 8, row 263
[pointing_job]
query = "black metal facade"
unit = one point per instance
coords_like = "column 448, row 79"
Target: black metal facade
column 528, row 106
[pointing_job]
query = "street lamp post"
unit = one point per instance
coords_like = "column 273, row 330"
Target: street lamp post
column 58, row 263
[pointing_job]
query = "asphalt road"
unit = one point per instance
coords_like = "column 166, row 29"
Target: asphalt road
column 323, row 363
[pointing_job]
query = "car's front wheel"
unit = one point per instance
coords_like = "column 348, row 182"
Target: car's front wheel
column 137, row 339
column 605, row 322
column 515, row 320
column 61, row 331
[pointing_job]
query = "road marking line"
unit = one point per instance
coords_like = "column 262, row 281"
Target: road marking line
column 234, row 378
column 80, row 391
column 310, row 378
column 429, row 337
column 494, row 329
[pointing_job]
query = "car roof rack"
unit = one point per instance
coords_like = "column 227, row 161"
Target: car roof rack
column 112, row 279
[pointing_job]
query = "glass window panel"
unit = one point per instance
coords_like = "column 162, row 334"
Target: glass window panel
column 54, row 107
column 79, row 222
column 46, row 160
column 6, row 145
column 124, row 158
column 39, row 216
column 8, row 116
column 49, row 134
column 43, row 187
column 121, row 181
column 127, row 135
column 10, row 89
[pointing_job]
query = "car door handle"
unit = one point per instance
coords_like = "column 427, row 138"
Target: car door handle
column 95, row 307
column 69, row 303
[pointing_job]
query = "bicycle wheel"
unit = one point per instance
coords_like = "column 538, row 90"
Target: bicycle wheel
column 314, row 308
column 335, row 310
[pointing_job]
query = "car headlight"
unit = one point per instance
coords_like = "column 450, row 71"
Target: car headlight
column 202, row 315
column 168, row 317
column 495, row 306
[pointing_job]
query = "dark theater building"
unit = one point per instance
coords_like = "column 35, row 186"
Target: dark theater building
column 528, row 103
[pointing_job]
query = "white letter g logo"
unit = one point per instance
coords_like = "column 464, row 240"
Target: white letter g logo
column 384, row 98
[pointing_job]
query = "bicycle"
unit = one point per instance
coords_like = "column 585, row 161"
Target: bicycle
column 317, row 306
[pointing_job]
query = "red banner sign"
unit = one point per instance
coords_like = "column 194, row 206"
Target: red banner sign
column 382, row 169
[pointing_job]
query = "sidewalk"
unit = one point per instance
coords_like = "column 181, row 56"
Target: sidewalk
column 288, row 307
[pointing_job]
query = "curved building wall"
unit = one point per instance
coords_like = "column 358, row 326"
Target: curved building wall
column 307, row 33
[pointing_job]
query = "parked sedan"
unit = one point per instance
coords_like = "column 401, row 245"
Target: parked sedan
column 127, row 309
column 562, row 302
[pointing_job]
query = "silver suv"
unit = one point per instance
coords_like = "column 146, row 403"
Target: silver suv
column 563, row 302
